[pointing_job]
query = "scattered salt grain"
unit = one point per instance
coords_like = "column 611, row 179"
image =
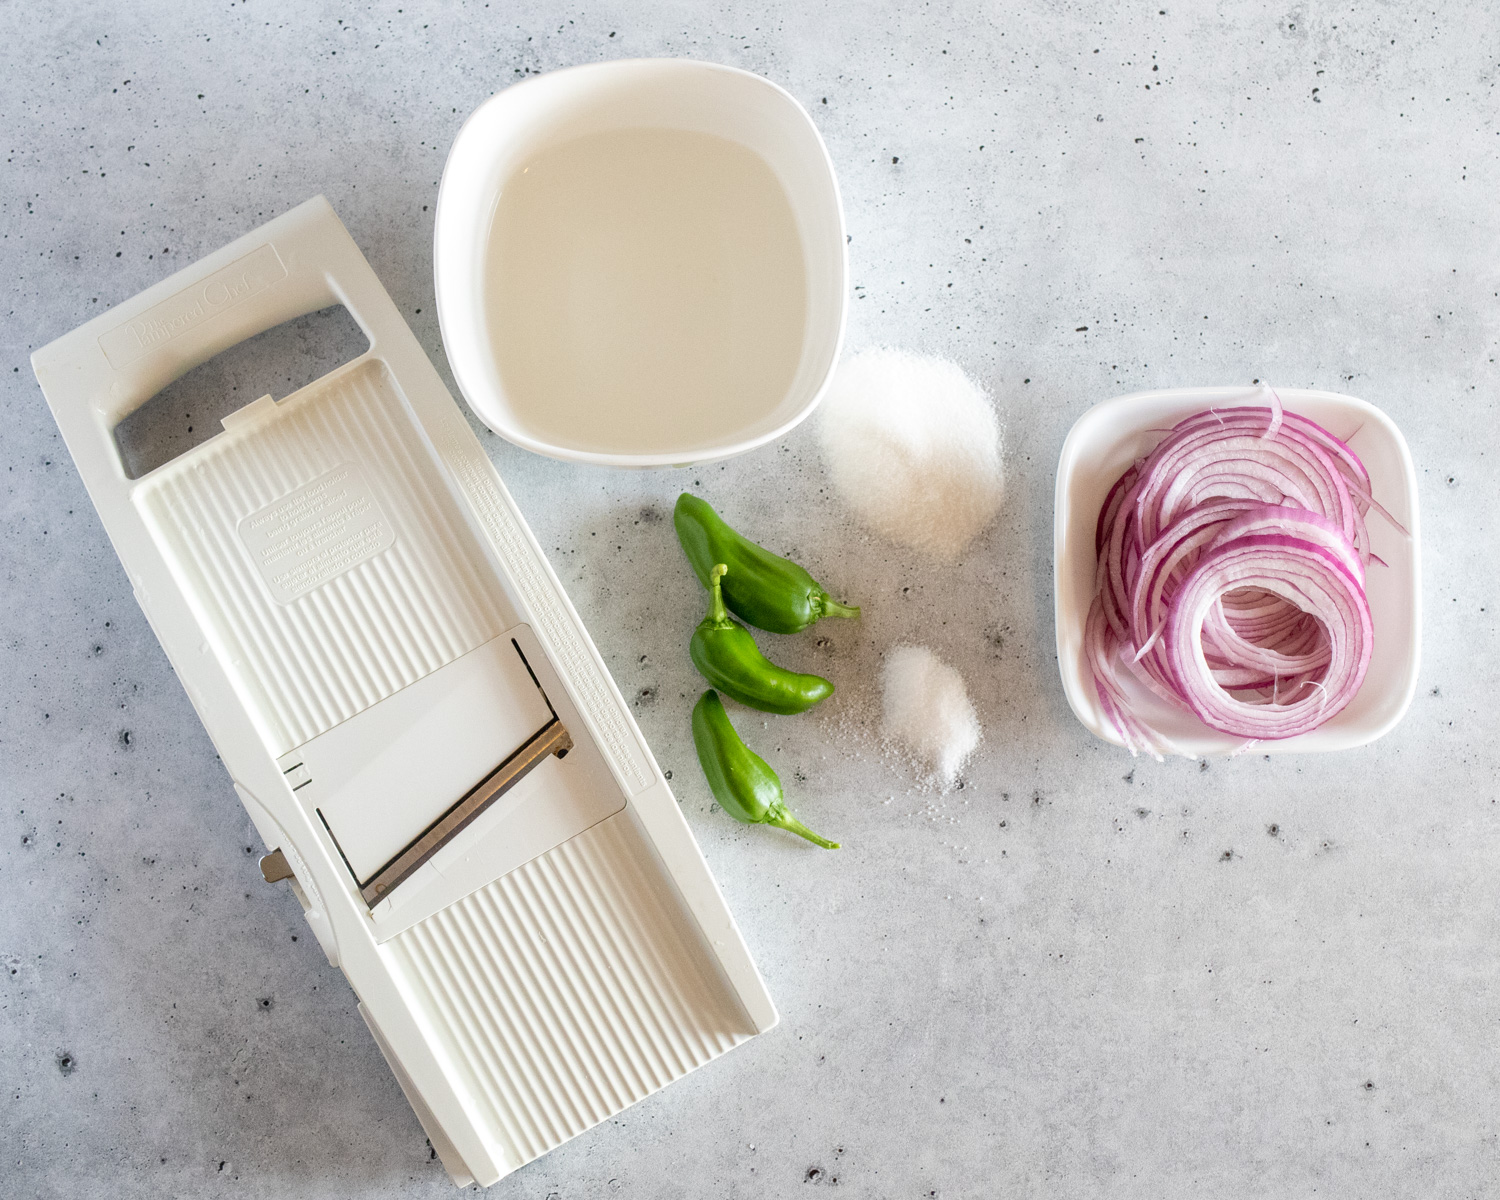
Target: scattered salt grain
column 927, row 711
column 913, row 446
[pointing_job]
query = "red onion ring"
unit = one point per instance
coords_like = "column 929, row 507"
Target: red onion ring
column 1230, row 578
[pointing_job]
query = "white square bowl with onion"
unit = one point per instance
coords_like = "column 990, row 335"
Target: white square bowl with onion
column 1112, row 435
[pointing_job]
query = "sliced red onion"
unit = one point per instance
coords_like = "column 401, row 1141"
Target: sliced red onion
column 1231, row 577
column 1305, row 575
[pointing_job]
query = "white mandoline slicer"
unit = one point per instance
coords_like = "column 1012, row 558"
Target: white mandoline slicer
column 411, row 711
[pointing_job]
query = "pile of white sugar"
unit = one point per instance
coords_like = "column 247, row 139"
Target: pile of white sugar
column 927, row 711
column 913, row 446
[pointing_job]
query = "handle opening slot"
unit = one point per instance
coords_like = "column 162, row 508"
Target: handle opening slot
column 189, row 411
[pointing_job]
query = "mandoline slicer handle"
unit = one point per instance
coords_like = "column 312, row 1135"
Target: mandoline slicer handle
column 103, row 371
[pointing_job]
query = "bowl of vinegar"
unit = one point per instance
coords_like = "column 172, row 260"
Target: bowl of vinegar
column 641, row 263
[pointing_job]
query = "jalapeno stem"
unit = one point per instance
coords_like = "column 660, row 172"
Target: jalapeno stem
column 717, row 613
column 778, row 816
column 832, row 608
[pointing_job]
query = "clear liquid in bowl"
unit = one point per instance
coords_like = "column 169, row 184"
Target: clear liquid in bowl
column 645, row 290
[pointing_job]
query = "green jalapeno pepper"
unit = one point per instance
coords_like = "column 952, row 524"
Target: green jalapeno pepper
column 726, row 654
column 741, row 781
column 768, row 591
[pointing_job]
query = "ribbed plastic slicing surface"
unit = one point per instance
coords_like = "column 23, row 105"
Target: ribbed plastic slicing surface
column 569, row 989
column 367, row 631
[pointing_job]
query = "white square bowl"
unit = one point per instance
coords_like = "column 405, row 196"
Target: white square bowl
column 663, row 93
column 1112, row 435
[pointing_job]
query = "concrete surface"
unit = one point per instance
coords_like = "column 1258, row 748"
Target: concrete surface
column 1079, row 975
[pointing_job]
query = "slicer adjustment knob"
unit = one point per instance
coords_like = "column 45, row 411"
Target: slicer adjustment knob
column 274, row 867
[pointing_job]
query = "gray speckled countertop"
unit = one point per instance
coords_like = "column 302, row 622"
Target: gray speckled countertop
column 1078, row 975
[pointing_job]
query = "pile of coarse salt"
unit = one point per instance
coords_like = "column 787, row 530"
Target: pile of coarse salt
column 913, row 446
column 927, row 711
